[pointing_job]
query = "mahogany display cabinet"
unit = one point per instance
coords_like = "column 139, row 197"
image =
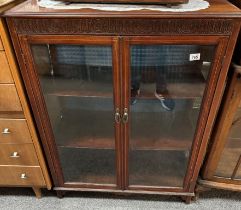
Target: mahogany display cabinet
column 124, row 101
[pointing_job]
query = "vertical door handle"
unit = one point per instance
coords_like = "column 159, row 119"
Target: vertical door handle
column 117, row 116
column 125, row 116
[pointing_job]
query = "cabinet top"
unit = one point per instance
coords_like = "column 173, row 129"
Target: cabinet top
column 217, row 9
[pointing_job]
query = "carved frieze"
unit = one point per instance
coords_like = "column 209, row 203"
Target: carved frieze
column 123, row 26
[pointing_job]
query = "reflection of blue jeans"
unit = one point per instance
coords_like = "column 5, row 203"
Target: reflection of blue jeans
column 156, row 75
column 157, row 61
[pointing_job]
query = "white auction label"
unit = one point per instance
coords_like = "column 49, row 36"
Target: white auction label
column 194, row 57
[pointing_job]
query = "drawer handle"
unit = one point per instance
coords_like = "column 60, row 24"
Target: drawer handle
column 15, row 155
column 6, row 131
column 23, row 176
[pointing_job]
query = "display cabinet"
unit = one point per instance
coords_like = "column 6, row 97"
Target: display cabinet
column 124, row 101
column 222, row 168
column 22, row 163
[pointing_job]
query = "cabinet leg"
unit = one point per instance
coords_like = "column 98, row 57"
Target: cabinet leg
column 37, row 192
column 187, row 199
column 199, row 189
column 195, row 198
column 60, row 194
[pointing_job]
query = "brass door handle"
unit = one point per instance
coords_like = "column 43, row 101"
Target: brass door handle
column 6, row 131
column 125, row 116
column 117, row 116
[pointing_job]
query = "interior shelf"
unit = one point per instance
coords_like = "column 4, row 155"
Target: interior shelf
column 175, row 90
column 82, row 88
column 85, row 129
column 95, row 129
column 76, row 87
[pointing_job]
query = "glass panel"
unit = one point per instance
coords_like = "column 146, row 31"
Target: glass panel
column 167, row 87
column 232, row 150
column 77, row 85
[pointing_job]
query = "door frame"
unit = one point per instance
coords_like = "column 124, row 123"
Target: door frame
column 205, row 119
column 39, row 108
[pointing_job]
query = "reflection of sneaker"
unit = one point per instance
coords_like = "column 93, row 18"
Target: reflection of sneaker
column 134, row 94
column 167, row 103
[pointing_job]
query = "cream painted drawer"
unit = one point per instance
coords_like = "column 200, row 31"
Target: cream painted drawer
column 5, row 74
column 18, row 154
column 21, row 176
column 14, row 131
column 9, row 100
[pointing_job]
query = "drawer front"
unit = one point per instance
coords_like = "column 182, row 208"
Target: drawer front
column 18, row 154
column 5, row 74
column 14, row 131
column 9, row 100
column 1, row 45
column 21, row 176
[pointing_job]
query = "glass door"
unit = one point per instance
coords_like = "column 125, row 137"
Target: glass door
column 79, row 81
column 167, row 81
column 225, row 161
column 229, row 165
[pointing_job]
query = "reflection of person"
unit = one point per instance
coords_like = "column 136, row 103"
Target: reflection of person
column 158, row 63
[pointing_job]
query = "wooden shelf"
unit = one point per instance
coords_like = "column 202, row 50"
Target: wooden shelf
column 81, row 88
column 76, row 88
column 175, row 90
column 162, row 130
column 81, row 129
column 85, row 129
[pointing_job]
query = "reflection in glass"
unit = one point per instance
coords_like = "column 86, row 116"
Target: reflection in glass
column 167, row 86
column 77, row 85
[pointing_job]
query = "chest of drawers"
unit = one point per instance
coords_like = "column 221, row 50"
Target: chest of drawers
column 21, row 159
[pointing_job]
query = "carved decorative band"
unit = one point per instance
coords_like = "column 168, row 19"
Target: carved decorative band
column 124, row 26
